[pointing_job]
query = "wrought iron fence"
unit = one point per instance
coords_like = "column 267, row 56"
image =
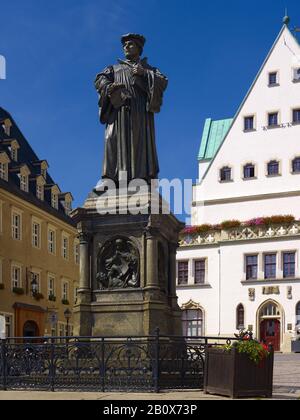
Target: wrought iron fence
column 128, row 364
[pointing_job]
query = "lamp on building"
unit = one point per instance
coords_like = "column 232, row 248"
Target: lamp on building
column 34, row 286
column 68, row 315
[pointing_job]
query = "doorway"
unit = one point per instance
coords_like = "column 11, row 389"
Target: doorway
column 270, row 318
column 270, row 332
column 30, row 329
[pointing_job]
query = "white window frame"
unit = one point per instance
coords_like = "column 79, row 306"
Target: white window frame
column 51, row 288
column 16, row 228
column 4, row 171
column 36, row 235
column 65, row 292
column 65, row 246
column 51, row 241
column 77, row 253
column 18, row 268
column 11, row 323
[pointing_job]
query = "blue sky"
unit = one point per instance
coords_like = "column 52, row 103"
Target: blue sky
column 211, row 52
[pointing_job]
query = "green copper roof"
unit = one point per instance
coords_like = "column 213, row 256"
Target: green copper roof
column 213, row 135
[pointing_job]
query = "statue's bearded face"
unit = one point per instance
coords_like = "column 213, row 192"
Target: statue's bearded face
column 131, row 49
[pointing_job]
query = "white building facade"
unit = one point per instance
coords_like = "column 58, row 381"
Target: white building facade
column 246, row 273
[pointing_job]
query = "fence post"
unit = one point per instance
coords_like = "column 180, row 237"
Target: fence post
column 103, row 367
column 52, row 367
column 4, row 363
column 157, row 361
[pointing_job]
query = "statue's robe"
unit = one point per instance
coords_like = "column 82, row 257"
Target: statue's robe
column 130, row 133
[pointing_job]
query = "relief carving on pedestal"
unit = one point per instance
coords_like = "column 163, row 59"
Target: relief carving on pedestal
column 118, row 265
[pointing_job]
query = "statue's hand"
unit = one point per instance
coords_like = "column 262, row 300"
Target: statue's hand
column 138, row 70
column 115, row 86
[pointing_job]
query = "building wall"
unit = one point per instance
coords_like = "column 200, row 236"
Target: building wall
column 258, row 147
column 226, row 286
column 29, row 258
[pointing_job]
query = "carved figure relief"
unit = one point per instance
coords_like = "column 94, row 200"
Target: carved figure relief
column 118, row 265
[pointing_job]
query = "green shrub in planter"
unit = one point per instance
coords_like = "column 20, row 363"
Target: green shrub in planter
column 65, row 302
column 18, row 291
column 38, row 296
column 52, row 298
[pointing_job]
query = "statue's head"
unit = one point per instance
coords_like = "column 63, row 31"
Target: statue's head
column 133, row 45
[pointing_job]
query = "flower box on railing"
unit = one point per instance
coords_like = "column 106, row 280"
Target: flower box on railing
column 52, row 298
column 18, row 291
column 38, row 296
column 233, row 374
column 65, row 302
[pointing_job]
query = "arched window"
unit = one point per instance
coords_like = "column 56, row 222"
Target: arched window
column 240, row 318
column 225, row 174
column 192, row 322
column 296, row 165
column 298, row 314
column 270, row 310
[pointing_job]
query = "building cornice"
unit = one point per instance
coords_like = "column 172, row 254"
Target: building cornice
column 246, row 198
column 241, row 234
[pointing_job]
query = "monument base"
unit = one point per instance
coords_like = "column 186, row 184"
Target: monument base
column 127, row 270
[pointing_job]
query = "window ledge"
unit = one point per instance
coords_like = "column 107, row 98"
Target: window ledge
column 253, row 130
column 264, row 281
column 194, row 286
column 271, row 85
column 273, row 175
column 250, row 179
column 229, row 181
column 296, row 80
column 273, row 127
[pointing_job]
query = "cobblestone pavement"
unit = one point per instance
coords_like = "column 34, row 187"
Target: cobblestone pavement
column 286, row 387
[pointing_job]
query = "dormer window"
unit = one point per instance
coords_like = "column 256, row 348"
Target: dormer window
column 40, row 192
column 4, row 171
column 6, row 124
column 4, row 161
column 68, row 207
column 54, row 201
column 66, row 200
column 14, row 154
column 44, row 172
column 24, row 184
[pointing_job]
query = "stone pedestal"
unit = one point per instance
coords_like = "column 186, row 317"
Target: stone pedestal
column 146, row 246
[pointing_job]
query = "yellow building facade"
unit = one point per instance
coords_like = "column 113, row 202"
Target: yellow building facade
column 39, row 249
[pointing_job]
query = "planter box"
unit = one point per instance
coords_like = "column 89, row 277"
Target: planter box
column 296, row 346
column 232, row 374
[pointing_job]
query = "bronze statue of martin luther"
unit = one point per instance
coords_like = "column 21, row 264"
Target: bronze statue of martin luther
column 131, row 92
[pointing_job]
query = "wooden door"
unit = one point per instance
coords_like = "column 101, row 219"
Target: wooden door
column 270, row 333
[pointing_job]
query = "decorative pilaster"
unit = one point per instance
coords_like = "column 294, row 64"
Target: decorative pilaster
column 84, row 292
column 172, row 270
column 152, row 259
